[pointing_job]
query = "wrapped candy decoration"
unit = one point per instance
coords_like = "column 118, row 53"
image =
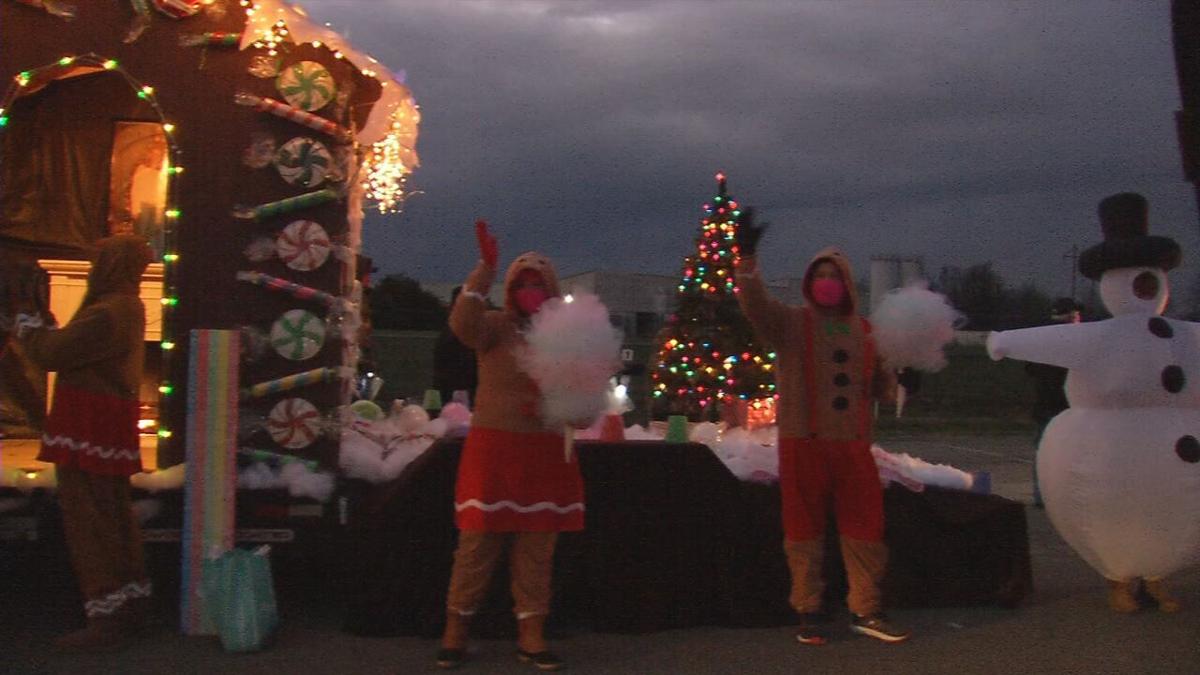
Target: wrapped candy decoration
column 303, row 245
column 306, row 85
column 303, row 161
column 297, row 335
column 179, row 9
column 294, row 423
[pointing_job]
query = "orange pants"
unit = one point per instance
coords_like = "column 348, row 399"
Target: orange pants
column 531, row 566
column 104, row 539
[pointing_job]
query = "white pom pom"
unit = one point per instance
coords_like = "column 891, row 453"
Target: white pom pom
column 912, row 325
column 572, row 350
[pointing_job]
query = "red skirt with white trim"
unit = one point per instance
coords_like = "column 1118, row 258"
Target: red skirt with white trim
column 517, row 482
column 97, row 433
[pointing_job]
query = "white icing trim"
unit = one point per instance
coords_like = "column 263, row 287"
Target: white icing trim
column 86, row 448
column 511, row 505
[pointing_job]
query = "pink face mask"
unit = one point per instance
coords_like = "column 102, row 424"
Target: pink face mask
column 529, row 299
column 828, row 292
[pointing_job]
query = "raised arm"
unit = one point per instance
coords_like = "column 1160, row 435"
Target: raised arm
column 766, row 314
column 468, row 316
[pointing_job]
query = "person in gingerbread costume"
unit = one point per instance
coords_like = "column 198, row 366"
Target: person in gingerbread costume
column 91, row 435
column 515, row 489
column 827, row 375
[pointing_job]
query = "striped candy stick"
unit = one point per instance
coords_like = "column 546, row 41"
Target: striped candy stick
column 285, row 286
column 214, row 39
column 211, row 473
column 270, row 209
column 290, row 382
column 294, row 114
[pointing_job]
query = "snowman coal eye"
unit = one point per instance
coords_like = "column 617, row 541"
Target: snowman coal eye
column 1145, row 286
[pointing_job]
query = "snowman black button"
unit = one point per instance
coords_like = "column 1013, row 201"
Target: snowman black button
column 840, row 356
column 1173, row 379
column 841, row 379
column 1161, row 328
column 841, row 403
column 1188, row 449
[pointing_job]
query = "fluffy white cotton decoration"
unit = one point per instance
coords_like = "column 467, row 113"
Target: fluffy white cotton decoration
column 638, row 432
column 156, row 481
column 303, row 482
column 747, row 457
column 572, row 350
column 706, row 433
column 916, row 473
column 379, row 451
column 299, row 480
column 911, row 325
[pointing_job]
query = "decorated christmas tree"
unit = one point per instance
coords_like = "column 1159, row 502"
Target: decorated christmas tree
column 709, row 357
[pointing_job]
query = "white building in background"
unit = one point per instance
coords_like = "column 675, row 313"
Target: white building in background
column 892, row 271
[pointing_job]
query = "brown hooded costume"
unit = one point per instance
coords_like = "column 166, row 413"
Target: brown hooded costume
column 513, row 479
column 826, row 376
column 91, row 435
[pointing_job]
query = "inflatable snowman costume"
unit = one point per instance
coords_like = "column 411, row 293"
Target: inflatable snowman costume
column 1120, row 469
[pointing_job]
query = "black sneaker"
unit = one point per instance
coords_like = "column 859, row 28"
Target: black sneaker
column 448, row 658
column 810, row 632
column 876, row 626
column 545, row 660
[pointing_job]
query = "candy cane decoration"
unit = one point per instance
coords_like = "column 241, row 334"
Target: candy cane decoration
column 293, row 114
column 284, row 286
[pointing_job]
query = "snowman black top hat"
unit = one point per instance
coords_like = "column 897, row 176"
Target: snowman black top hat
column 1126, row 244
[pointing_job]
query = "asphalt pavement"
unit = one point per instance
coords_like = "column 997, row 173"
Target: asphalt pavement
column 1063, row 627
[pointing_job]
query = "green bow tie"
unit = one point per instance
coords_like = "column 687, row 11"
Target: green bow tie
column 837, row 328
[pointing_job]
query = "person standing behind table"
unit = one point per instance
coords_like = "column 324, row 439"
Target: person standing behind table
column 827, row 374
column 454, row 364
column 91, row 435
column 1049, row 382
column 515, row 488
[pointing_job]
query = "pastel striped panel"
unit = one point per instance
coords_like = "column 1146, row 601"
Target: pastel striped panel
column 211, row 474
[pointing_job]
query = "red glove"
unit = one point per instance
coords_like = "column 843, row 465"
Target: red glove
column 489, row 251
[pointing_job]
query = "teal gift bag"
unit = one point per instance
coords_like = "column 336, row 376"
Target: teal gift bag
column 239, row 597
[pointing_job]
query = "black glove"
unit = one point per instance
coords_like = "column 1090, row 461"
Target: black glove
column 747, row 233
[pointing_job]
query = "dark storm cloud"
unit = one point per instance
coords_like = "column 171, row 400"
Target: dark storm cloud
column 959, row 131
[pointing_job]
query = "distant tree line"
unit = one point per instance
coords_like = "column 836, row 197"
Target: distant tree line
column 398, row 302
column 988, row 303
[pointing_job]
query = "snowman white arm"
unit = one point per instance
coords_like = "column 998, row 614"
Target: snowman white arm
column 1068, row 345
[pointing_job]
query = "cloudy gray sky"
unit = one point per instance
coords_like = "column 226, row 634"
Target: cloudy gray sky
column 960, row 131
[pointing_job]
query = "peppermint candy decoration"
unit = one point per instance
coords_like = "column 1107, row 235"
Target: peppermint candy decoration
column 297, row 335
column 178, row 9
column 294, row 423
column 303, row 161
column 306, row 85
column 303, row 245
